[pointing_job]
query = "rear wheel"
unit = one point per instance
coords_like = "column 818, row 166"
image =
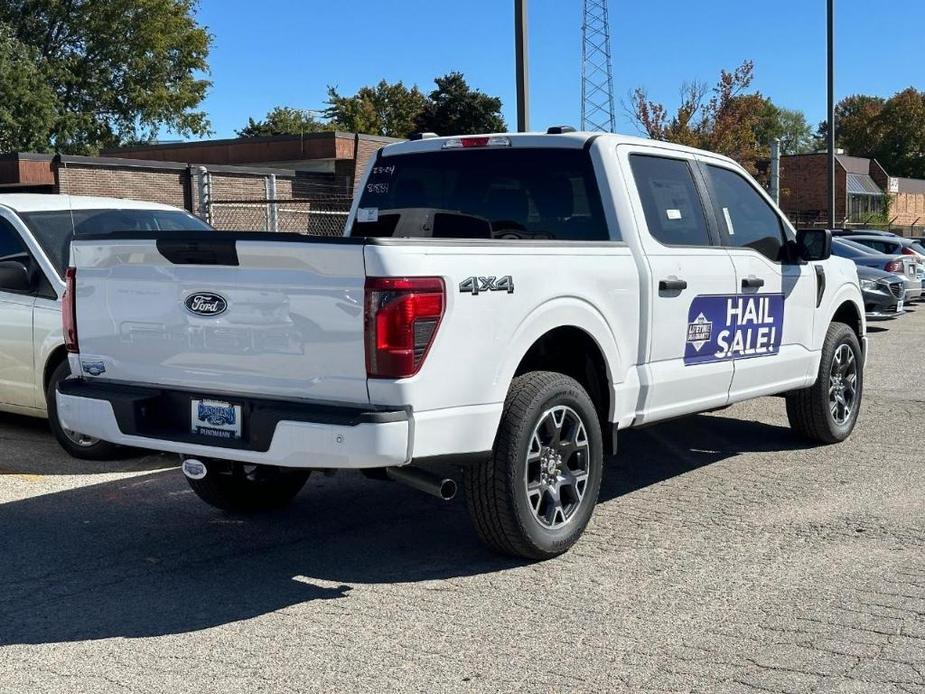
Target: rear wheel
column 828, row 410
column 243, row 488
column 534, row 496
column 76, row 444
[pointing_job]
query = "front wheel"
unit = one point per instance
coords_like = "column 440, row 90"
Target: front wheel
column 242, row 488
column 76, row 444
column 534, row 496
column 828, row 410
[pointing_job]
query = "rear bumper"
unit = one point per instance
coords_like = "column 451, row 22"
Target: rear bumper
column 283, row 433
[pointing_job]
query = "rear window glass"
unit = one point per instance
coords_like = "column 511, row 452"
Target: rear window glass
column 483, row 194
column 54, row 229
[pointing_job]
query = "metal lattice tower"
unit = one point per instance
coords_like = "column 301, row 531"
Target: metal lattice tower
column 597, row 110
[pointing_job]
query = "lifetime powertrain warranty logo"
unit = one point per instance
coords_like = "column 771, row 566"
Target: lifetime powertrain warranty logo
column 720, row 328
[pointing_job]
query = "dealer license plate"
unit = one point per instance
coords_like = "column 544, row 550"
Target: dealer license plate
column 220, row 420
column 899, row 306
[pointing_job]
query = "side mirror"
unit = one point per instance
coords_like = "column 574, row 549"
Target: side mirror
column 15, row 276
column 814, row 244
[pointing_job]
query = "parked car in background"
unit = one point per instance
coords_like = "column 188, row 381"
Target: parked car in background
column 35, row 239
column 892, row 245
column 903, row 266
column 884, row 293
column 867, row 232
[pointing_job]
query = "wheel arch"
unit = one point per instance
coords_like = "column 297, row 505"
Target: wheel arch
column 571, row 337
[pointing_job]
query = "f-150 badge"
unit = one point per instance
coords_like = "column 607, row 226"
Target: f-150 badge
column 735, row 326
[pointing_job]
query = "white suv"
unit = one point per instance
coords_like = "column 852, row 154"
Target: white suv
column 35, row 239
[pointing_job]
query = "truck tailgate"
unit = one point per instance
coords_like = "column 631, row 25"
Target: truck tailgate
column 239, row 314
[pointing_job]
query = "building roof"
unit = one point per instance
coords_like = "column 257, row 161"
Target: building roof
column 862, row 184
column 857, row 165
column 916, row 186
column 42, row 202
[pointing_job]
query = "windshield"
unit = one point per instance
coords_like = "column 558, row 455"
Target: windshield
column 483, row 193
column 860, row 247
column 54, row 229
column 847, row 249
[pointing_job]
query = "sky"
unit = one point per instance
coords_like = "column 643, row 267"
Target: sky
column 288, row 52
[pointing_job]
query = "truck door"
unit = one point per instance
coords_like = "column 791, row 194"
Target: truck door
column 686, row 267
column 17, row 372
column 772, row 315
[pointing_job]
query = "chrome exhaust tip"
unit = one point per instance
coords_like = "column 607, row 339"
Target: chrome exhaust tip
column 443, row 488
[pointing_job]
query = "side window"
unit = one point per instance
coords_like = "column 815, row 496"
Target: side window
column 673, row 208
column 746, row 217
column 11, row 243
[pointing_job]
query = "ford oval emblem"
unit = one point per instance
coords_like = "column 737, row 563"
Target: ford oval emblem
column 205, row 304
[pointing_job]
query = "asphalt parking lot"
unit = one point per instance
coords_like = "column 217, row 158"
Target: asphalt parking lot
column 725, row 555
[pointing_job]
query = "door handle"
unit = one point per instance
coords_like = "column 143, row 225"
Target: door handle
column 752, row 283
column 672, row 284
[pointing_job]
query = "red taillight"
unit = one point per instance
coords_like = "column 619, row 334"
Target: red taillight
column 69, row 311
column 905, row 250
column 402, row 315
column 894, row 266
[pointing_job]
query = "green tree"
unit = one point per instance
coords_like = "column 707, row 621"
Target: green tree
column 121, row 70
column 454, row 108
column 901, row 127
column 283, row 120
column 385, row 109
column 788, row 125
column 27, row 108
column 857, row 125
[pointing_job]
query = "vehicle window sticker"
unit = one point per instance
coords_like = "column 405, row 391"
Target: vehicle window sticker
column 729, row 221
column 368, row 214
column 673, row 213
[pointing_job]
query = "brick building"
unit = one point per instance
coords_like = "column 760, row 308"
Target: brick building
column 336, row 158
column 861, row 189
column 286, row 183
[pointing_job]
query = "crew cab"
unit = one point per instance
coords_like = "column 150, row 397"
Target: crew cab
column 500, row 307
column 35, row 238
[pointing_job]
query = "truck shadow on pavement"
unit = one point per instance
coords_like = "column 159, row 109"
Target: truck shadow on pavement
column 28, row 448
column 142, row 557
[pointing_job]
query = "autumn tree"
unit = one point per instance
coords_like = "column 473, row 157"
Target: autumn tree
column 727, row 118
column 120, row 70
column 889, row 130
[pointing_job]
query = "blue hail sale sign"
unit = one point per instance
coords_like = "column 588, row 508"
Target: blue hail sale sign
column 720, row 328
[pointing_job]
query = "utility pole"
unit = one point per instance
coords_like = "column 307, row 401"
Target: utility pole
column 775, row 170
column 520, row 49
column 831, row 109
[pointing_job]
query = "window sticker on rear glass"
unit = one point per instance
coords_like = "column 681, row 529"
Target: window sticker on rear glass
column 673, row 213
column 735, row 326
column 368, row 214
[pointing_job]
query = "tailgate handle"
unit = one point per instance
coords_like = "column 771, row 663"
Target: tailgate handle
column 752, row 283
column 212, row 252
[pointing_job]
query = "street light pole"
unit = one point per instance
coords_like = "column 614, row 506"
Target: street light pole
column 520, row 49
column 831, row 109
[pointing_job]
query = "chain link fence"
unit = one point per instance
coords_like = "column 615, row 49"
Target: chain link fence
column 322, row 217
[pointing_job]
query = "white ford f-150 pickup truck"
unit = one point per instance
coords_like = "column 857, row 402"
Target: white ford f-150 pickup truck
column 500, row 305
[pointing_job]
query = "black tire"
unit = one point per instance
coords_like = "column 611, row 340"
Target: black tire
column 496, row 490
column 241, row 488
column 810, row 410
column 74, row 444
